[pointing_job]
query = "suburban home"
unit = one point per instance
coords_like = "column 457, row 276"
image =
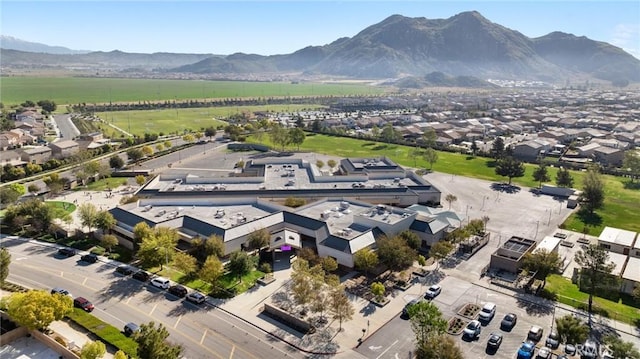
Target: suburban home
column 532, row 150
column 62, row 149
column 36, row 155
column 588, row 149
column 10, row 157
column 608, row 156
column 617, row 240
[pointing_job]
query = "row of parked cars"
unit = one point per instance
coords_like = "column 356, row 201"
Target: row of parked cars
column 163, row 283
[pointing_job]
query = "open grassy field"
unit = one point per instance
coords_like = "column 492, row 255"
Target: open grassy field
column 73, row 90
column 568, row 293
column 177, row 120
column 622, row 205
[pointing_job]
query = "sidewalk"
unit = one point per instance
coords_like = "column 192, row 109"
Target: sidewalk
column 74, row 337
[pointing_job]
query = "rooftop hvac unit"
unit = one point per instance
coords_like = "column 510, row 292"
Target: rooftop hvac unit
column 347, row 231
column 344, row 205
column 325, row 214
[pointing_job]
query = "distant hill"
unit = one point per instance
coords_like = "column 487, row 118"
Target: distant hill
column 12, row 43
column 438, row 79
column 463, row 48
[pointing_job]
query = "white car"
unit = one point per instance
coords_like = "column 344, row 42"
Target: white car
column 160, row 282
column 473, row 329
column 433, row 291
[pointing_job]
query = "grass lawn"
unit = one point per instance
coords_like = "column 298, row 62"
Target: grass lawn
column 177, row 120
column 105, row 331
column 61, row 206
column 103, row 184
column 621, row 208
column 569, row 293
column 73, row 90
column 227, row 282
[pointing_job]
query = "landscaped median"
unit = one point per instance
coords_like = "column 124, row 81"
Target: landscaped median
column 107, row 332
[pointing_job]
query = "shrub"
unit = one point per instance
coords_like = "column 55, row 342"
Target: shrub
column 294, row 202
column 98, row 250
column 60, row 340
column 265, row 267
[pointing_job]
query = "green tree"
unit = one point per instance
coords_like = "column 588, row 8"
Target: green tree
column 632, row 163
column 497, row 148
column 620, row 348
column 214, row 245
column 415, row 153
column 450, row 198
column 185, row 263
column 426, row 319
column 341, row 307
column 140, row 180
column 540, row 174
column 105, row 221
column 33, row 189
column 319, row 164
column 564, row 178
column 509, row 167
column 332, row 164
column 440, row 250
column 109, row 241
column 395, row 253
column 240, row 264
column 365, row 260
column 329, row 264
column 134, row 155
column 153, row 344
column 147, row 150
column 438, row 347
column 159, row 247
column 296, row 136
column 55, row 183
column 93, row 350
column 592, row 196
column 47, row 105
column 412, row 239
column 542, row 262
column 595, row 267
column 11, row 193
column 5, row 260
column 259, row 239
column 571, row 329
column 279, row 136
column 378, row 290
column 211, row 270
column 141, row 230
column 474, row 148
column 429, row 138
column 119, row 355
column 88, row 214
column 189, row 138
column 167, row 144
column 37, row 309
column 389, row 134
column 430, row 155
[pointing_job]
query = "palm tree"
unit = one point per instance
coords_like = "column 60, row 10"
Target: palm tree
column 450, row 198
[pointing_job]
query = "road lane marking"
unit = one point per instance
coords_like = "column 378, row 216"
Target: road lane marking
column 154, row 308
column 203, row 335
column 85, row 280
column 128, row 299
column 233, row 349
column 177, row 321
column 386, row 350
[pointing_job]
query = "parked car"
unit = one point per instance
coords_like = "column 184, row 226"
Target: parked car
column 196, row 297
column 83, row 303
column 544, row 353
column 405, row 310
column 589, row 350
column 124, row 270
column 178, row 290
column 433, row 291
column 570, row 349
column 472, row 330
column 509, row 321
column 535, row 333
column 553, row 340
column 141, row 276
column 487, row 312
column 160, row 282
column 89, row 258
column 526, row 350
column 130, row 329
column 495, row 339
column 58, row 290
column 67, row 252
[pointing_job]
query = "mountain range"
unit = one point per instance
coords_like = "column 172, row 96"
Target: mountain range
column 467, row 45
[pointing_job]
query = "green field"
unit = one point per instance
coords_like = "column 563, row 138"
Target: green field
column 622, row 205
column 178, row 120
column 73, row 90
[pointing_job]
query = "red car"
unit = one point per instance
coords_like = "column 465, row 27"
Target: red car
column 83, row 303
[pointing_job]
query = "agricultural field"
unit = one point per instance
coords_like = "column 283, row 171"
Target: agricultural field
column 73, row 90
column 177, row 120
column 622, row 201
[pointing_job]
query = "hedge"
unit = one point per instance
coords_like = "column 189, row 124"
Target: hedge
column 104, row 331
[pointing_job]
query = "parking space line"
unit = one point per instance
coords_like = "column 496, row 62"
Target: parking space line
column 152, row 310
column 386, row 350
column 177, row 321
column 233, row 349
column 128, row 300
column 85, row 280
column 203, row 336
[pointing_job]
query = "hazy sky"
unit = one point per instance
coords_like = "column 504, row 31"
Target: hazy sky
column 280, row 27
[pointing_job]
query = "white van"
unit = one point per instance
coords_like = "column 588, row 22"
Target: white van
column 160, row 282
column 487, row 312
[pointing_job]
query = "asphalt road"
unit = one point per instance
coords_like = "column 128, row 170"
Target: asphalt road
column 67, row 129
column 204, row 331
